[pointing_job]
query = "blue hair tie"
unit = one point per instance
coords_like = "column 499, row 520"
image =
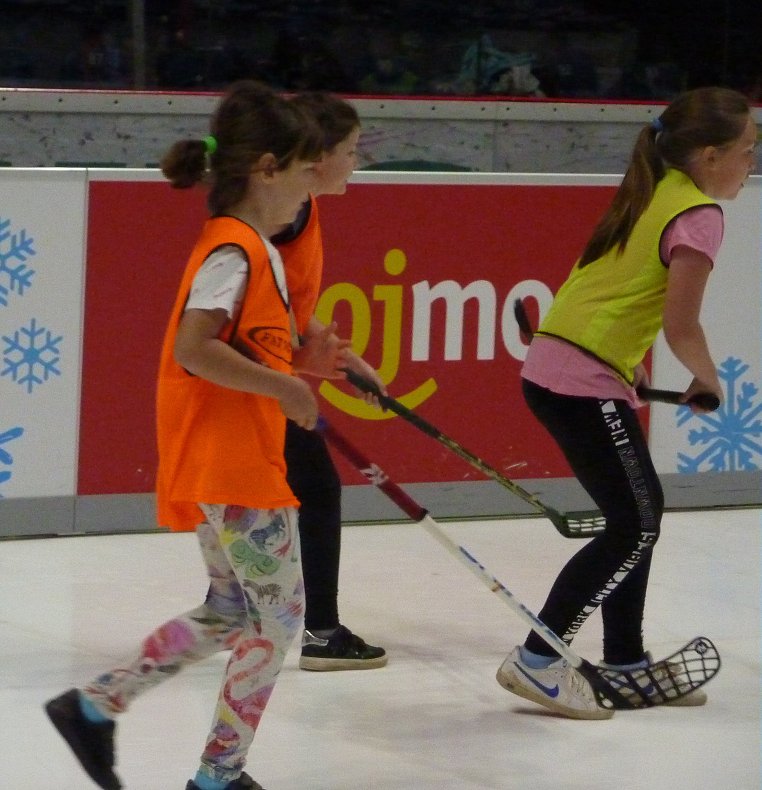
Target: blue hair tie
column 657, row 125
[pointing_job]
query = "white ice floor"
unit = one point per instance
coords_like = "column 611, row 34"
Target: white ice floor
column 434, row 718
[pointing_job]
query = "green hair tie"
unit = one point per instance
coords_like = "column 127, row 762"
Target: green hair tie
column 210, row 143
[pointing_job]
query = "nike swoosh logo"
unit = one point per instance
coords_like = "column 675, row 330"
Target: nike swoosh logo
column 550, row 691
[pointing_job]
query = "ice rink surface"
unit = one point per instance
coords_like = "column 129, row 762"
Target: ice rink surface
column 434, row 718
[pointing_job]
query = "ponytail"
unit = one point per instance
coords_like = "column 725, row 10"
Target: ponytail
column 631, row 199
column 185, row 164
column 250, row 120
column 695, row 119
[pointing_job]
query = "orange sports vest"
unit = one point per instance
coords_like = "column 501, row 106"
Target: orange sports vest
column 218, row 445
column 303, row 259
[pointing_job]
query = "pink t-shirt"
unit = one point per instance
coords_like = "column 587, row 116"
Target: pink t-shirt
column 565, row 369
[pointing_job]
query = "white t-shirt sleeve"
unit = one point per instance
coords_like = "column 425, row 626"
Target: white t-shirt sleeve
column 220, row 283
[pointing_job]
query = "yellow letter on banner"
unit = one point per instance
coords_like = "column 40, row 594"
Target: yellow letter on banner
column 391, row 296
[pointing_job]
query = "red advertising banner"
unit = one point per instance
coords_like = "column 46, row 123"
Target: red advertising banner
column 138, row 237
column 421, row 276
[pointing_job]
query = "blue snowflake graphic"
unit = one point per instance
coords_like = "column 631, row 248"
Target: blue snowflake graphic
column 15, row 250
column 730, row 437
column 5, row 457
column 31, row 356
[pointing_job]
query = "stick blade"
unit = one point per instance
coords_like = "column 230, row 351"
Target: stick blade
column 661, row 682
column 580, row 524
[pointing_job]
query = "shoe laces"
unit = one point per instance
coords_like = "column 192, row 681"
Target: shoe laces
column 578, row 684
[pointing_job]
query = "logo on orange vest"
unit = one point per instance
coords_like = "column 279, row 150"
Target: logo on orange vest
column 273, row 340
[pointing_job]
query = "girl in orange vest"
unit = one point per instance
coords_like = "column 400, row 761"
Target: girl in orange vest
column 327, row 645
column 226, row 387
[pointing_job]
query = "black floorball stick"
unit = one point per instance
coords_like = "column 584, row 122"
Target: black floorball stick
column 704, row 400
column 580, row 524
column 660, row 682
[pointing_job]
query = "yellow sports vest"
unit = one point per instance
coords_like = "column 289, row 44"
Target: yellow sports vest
column 612, row 308
column 219, row 445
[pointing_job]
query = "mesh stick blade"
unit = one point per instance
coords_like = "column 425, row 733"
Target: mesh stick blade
column 666, row 680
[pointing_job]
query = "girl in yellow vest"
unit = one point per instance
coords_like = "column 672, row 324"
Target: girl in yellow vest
column 644, row 268
column 327, row 645
column 225, row 389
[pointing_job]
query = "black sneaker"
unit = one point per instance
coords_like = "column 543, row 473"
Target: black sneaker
column 244, row 782
column 342, row 650
column 93, row 744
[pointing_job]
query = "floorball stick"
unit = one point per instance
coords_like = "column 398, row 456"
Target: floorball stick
column 705, row 400
column 656, row 684
column 580, row 524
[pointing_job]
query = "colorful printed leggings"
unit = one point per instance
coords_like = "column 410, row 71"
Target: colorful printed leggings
column 255, row 606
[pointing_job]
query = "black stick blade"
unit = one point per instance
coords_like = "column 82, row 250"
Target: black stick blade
column 581, row 524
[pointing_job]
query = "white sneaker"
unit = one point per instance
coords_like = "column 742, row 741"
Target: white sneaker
column 675, row 679
column 559, row 688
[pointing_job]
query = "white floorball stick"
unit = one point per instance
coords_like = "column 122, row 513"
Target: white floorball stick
column 698, row 661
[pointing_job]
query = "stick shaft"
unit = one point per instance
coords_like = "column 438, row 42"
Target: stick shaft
column 529, row 617
column 705, row 400
column 608, row 695
column 415, row 419
column 375, row 475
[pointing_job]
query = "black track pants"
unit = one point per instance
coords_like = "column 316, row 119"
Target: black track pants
column 606, row 449
column 315, row 481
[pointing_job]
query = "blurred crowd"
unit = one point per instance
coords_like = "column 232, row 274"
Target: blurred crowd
column 525, row 48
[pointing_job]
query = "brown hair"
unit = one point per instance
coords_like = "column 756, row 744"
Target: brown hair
column 251, row 120
column 695, row 119
column 336, row 118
